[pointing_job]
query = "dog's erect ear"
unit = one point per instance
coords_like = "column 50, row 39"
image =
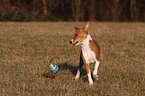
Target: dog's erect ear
column 76, row 29
column 86, row 26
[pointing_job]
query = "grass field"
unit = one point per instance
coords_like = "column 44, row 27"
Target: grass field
column 26, row 48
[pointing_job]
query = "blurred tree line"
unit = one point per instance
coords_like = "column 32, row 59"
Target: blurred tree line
column 72, row 10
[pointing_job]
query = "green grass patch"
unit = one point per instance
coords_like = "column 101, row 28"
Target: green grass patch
column 26, row 48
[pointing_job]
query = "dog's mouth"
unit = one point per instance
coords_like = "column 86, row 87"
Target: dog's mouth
column 76, row 43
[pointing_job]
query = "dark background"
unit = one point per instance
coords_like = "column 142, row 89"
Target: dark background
column 73, row 10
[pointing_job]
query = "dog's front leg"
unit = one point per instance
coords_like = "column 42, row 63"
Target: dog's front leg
column 87, row 70
column 89, row 74
column 96, row 70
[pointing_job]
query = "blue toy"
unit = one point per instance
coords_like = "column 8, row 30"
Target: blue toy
column 53, row 68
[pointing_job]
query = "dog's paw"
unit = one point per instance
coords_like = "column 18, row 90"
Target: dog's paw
column 96, row 77
column 77, row 77
column 91, row 82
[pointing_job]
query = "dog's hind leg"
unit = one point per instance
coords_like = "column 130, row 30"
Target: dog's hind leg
column 80, row 66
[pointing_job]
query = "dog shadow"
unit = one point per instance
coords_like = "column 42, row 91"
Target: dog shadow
column 64, row 67
column 72, row 68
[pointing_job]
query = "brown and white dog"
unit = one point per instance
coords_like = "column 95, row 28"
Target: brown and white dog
column 89, row 54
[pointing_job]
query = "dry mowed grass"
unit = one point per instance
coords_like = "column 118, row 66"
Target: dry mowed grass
column 25, row 49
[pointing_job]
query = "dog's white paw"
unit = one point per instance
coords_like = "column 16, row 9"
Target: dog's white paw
column 96, row 77
column 91, row 82
column 77, row 77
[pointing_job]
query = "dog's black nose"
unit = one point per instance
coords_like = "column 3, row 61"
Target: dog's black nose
column 70, row 42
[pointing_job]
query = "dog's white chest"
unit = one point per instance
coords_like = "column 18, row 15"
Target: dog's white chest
column 88, row 54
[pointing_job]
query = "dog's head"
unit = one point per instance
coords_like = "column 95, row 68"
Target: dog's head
column 80, row 35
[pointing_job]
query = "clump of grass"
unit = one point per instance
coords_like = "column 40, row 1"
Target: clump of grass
column 27, row 47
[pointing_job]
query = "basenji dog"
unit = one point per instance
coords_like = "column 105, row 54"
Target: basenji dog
column 89, row 53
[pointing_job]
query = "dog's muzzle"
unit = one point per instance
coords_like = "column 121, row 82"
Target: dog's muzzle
column 74, row 43
column 70, row 42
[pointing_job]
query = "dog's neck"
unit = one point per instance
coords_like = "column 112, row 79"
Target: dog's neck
column 85, row 43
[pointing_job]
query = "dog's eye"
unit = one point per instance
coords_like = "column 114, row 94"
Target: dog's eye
column 76, row 34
